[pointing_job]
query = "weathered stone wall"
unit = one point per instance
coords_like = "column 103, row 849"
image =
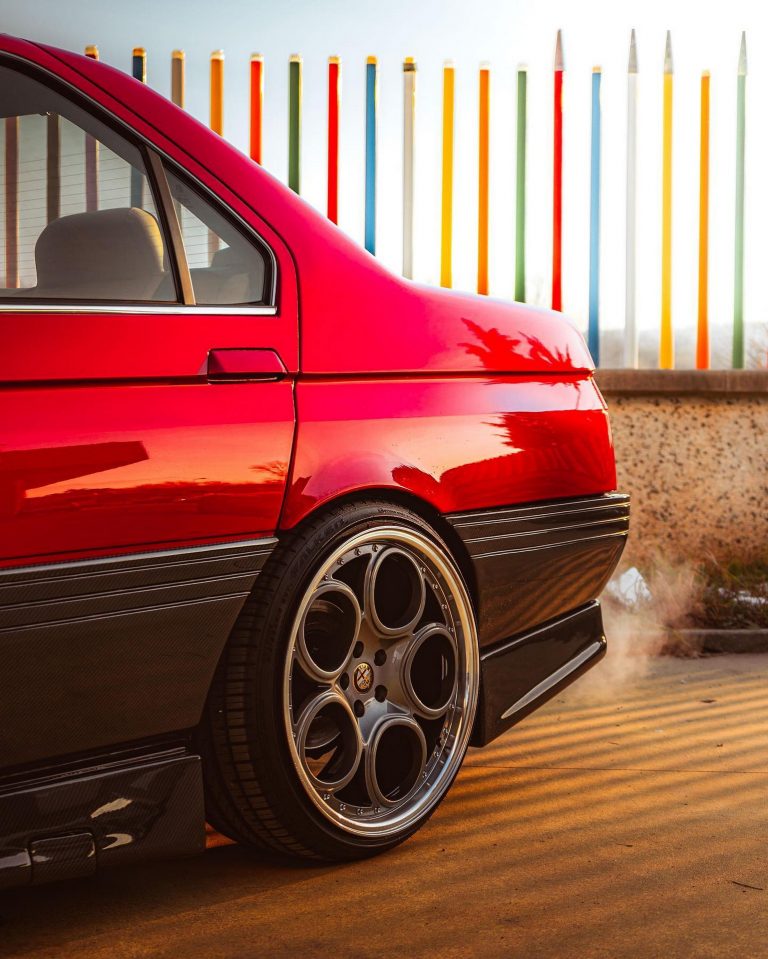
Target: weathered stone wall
column 692, row 450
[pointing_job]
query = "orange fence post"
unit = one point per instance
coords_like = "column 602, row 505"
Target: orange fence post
column 177, row 77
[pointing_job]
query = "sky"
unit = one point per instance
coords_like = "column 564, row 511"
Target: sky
column 506, row 33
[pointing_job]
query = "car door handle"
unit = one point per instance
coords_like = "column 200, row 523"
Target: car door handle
column 235, row 365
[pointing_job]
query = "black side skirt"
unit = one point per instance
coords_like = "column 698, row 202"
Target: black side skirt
column 109, row 814
column 117, row 650
column 520, row 674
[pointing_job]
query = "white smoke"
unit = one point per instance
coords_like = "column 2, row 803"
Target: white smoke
column 641, row 616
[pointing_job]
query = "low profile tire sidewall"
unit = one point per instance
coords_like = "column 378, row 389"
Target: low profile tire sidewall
column 324, row 837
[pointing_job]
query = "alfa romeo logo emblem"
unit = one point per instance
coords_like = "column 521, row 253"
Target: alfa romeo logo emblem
column 363, row 677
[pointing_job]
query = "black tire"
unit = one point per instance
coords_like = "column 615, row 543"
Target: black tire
column 254, row 789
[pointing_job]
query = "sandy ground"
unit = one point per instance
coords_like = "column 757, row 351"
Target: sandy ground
column 632, row 823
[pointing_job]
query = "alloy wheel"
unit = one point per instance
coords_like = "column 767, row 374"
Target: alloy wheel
column 381, row 679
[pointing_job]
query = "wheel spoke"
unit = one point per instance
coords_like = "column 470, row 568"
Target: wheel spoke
column 328, row 631
column 394, row 760
column 429, row 671
column 328, row 740
column 395, row 592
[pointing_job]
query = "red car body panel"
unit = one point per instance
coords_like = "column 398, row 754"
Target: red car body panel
column 117, row 468
column 537, row 432
column 455, row 445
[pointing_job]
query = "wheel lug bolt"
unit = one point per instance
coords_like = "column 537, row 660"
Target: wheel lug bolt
column 357, row 652
column 381, row 693
column 359, row 708
column 380, row 658
column 344, row 681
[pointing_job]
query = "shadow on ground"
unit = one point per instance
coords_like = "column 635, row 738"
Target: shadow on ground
column 636, row 825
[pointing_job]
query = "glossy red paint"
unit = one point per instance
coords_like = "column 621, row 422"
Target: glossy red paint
column 113, row 440
column 456, row 443
column 89, row 469
column 83, row 347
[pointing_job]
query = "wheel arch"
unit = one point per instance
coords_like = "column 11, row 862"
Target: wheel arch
column 422, row 507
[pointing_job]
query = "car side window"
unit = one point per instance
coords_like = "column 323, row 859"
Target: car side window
column 78, row 220
column 227, row 268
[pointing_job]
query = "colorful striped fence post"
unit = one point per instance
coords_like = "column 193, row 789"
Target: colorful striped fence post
column 666, row 343
column 483, row 190
column 52, row 168
column 371, row 106
column 409, row 123
column 91, row 155
column 139, row 72
column 217, row 92
column 557, row 177
column 702, row 329
column 294, row 122
column 630, row 290
column 178, row 62
column 522, row 128
column 593, row 335
column 446, row 222
column 738, row 272
column 11, row 202
column 139, row 64
column 334, row 107
column 257, row 106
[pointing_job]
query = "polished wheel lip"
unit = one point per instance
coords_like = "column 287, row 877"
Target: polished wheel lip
column 388, row 822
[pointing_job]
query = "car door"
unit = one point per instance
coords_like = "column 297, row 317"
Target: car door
column 146, row 425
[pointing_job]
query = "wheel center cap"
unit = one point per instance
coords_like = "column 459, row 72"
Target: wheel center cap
column 363, row 677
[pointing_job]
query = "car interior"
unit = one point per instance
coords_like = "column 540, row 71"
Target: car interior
column 116, row 251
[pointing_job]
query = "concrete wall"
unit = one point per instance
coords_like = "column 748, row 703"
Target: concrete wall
column 692, row 450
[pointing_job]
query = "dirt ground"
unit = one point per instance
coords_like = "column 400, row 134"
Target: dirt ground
column 616, row 822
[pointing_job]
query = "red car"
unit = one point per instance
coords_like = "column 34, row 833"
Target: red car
column 281, row 534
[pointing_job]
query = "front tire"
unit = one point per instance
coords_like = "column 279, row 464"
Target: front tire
column 342, row 707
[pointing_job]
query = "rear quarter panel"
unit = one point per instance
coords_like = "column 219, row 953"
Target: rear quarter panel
column 456, row 442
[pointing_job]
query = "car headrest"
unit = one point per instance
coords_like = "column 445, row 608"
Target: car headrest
column 94, row 253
